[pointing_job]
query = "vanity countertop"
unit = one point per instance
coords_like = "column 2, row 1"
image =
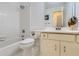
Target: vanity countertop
column 62, row 31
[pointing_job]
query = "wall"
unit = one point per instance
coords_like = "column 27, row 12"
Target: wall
column 68, row 12
column 36, row 16
column 9, row 22
column 77, row 12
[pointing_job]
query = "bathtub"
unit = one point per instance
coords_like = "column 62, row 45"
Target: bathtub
column 9, row 50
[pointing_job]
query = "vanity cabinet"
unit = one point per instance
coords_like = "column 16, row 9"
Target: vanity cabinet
column 55, row 44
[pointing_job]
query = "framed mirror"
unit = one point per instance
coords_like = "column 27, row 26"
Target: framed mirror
column 58, row 18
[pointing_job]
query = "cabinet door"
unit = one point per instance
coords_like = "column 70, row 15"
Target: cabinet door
column 69, row 49
column 49, row 47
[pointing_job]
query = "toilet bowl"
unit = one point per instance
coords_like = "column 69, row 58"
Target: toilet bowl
column 26, row 45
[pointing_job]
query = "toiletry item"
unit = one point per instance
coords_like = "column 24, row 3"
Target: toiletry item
column 72, row 23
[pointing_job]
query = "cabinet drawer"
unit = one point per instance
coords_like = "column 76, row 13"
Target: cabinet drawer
column 63, row 37
column 44, row 35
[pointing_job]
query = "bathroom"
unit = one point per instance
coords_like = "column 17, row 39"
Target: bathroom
column 27, row 28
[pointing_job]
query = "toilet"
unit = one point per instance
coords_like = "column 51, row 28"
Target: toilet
column 26, row 46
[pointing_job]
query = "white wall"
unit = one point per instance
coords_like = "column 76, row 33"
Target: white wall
column 9, row 22
column 49, row 5
column 68, row 12
column 77, row 12
column 36, row 15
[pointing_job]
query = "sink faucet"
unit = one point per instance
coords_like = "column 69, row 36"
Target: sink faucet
column 58, row 28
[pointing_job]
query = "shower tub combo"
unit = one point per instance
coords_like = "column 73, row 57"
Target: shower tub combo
column 17, row 49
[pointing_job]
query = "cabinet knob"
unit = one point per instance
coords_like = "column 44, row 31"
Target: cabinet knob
column 64, row 48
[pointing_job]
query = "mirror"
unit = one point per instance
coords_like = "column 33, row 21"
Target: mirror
column 58, row 18
column 59, row 13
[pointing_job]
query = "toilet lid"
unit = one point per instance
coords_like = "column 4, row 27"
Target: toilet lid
column 27, row 40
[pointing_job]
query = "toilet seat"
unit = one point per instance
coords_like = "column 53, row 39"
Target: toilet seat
column 28, row 42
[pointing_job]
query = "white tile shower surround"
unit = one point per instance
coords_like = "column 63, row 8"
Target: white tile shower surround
column 10, row 17
column 9, row 23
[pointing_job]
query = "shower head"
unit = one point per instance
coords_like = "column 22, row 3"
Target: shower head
column 22, row 6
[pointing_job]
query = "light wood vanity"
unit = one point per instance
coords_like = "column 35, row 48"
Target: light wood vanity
column 59, row 44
